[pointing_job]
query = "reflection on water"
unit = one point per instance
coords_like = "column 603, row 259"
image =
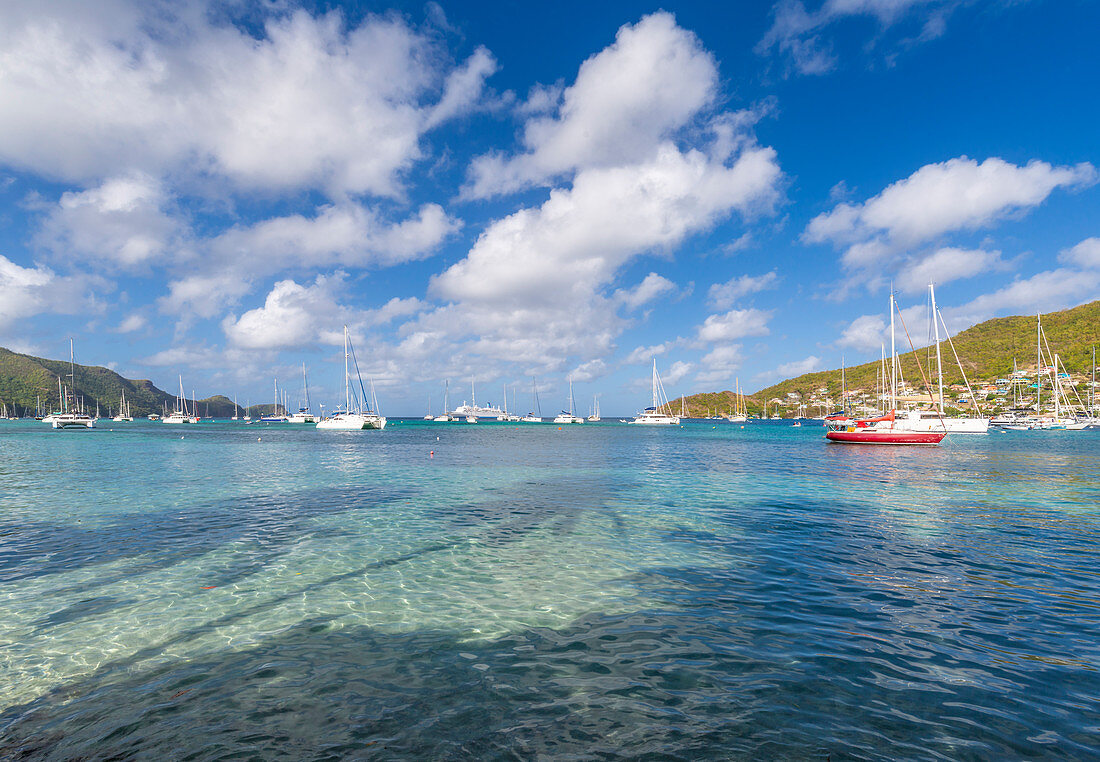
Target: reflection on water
column 704, row 592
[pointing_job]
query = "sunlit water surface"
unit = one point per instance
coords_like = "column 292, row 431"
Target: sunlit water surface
column 228, row 591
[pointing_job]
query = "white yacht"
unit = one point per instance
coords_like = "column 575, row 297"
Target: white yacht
column 740, row 413
column 180, row 414
column 123, row 410
column 595, row 417
column 356, row 415
column 276, row 416
column 71, row 416
column 304, row 415
column 447, row 417
column 531, row 417
column 660, row 414
column 568, row 416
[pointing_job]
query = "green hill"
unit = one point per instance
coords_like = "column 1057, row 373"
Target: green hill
column 986, row 351
column 25, row 379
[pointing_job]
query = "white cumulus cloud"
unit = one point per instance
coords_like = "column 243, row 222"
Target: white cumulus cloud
column 865, row 333
column 651, row 287
column 1085, row 254
column 626, row 100
column 293, row 315
column 945, row 265
column 959, row 194
column 304, row 102
column 722, row 296
column 123, row 221
column 735, row 324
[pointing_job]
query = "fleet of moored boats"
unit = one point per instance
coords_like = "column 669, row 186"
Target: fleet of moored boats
column 920, row 426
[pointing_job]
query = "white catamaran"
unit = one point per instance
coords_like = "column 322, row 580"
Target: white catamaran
column 180, row 414
column 531, row 417
column 123, row 410
column 304, row 414
column 357, row 414
column 72, row 415
column 568, row 416
column 661, row 412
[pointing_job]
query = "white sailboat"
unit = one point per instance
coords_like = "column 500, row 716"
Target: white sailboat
column 595, row 416
column 357, row 414
column 276, row 416
column 72, row 415
column 660, row 413
column 738, row 415
column 123, row 410
column 959, row 424
column 236, row 409
column 446, row 417
column 569, row 416
column 304, row 414
column 531, row 417
column 180, row 414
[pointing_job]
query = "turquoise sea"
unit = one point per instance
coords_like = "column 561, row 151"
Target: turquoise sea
column 229, row 591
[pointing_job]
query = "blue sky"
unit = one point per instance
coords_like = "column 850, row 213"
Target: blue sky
column 496, row 192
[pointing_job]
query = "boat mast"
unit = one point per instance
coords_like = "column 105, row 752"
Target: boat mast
column 843, row 386
column 1015, row 385
column 72, row 373
column 936, row 325
column 347, row 375
column 1038, row 361
column 1092, row 388
column 654, row 384
column 1057, row 383
column 883, row 397
column 893, row 357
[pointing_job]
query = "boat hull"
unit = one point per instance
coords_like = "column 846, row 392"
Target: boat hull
column 888, row 437
column 64, row 422
column 352, row 422
column 646, row 420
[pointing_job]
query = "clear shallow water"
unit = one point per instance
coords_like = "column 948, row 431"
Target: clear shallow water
column 598, row 591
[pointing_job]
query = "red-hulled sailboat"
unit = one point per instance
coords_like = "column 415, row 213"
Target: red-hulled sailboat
column 889, row 429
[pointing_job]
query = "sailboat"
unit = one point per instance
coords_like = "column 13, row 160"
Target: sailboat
column 72, row 416
column 304, row 415
column 660, row 413
column 428, row 417
column 568, row 416
column 276, row 416
column 888, row 429
column 356, row 415
column 507, row 416
column 123, row 410
column 180, row 414
column 595, row 417
column 959, row 424
column 531, row 417
column 739, row 415
column 236, row 409
column 446, row 417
